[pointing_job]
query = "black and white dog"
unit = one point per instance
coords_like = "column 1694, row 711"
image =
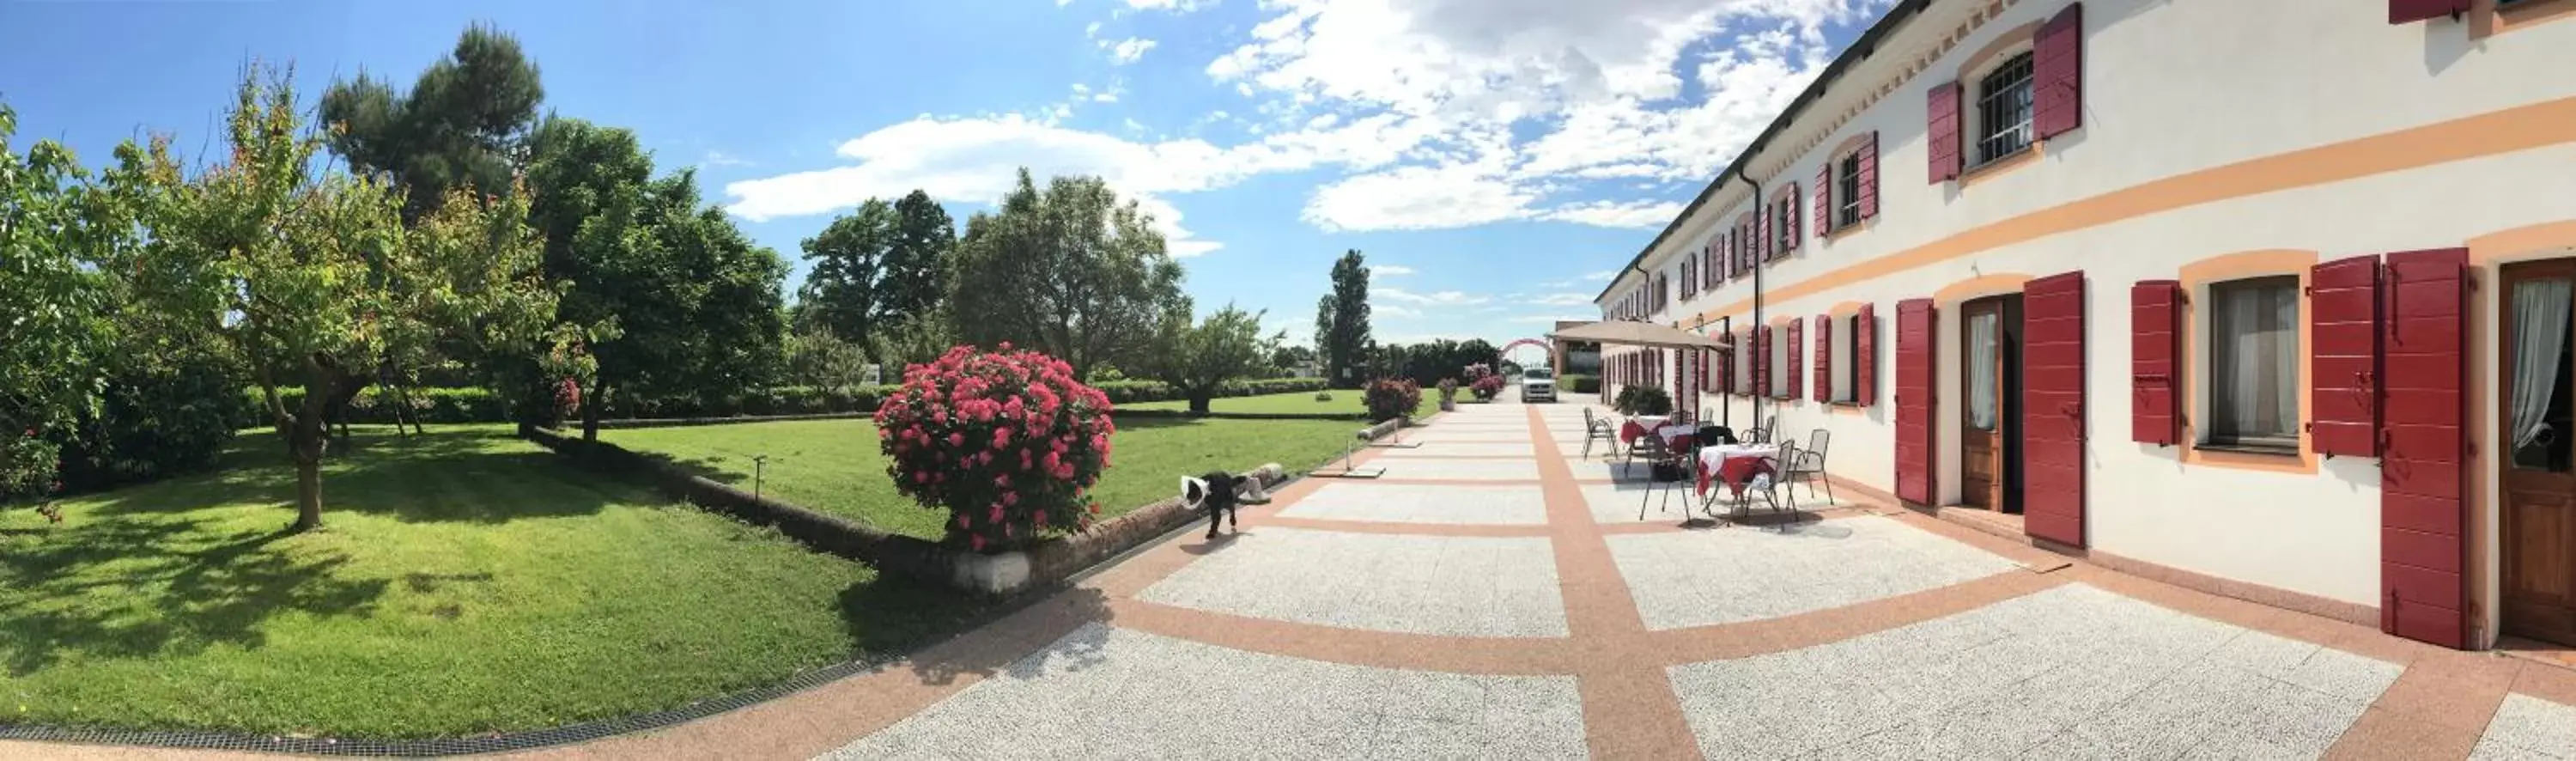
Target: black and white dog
column 1220, row 493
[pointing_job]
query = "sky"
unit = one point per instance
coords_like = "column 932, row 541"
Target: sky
column 1495, row 160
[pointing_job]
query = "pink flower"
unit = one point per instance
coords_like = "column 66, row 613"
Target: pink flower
column 1095, row 508
column 1099, row 443
column 1064, row 472
column 1049, row 462
column 956, row 439
column 1010, row 498
column 963, row 521
column 1024, row 459
column 1002, row 437
column 996, row 515
column 976, row 541
column 984, row 458
column 921, row 476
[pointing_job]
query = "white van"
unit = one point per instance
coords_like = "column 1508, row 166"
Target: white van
column 1538, row 384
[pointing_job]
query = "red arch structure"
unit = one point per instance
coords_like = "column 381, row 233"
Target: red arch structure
column 1542, row 345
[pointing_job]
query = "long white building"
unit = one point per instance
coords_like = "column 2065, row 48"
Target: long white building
column 2266, row 297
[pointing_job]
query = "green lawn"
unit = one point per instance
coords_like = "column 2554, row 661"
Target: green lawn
column 834, row 465
column 1345, row 402
column 465, row 583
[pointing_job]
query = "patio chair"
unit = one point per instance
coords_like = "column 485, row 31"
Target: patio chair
column 1809, row 466
column 1759, row 433
column 1656, row 453
column 1769, row 489
column 1594, row 427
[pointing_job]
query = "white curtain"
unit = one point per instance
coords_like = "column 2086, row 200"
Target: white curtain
column 1981, row 370
column 2540, row 333
column 2258, row 326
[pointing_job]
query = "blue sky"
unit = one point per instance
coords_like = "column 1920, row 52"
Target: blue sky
column 1496, row 158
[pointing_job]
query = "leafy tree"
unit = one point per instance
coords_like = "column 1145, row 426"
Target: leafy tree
column 53, row 339
column 1342, row 320
column 820, row 359
column 1197, row 360
column 918, row 341
column 670, row 298
column 459, row 126
column 1069, row 271
column 1285, row 359
column 844, row 292
column 309, row 275
column 916, row 260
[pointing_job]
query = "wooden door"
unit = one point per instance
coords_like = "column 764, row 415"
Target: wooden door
column 1982, row 423
column 2423, row 537
column 2052, row 409
column 2538, row 383
column 1914, row 400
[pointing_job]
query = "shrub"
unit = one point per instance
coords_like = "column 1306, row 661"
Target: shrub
column 1581, row 384
column 1323, row 396
column 1448, row 390
column 1007, row 442
column 1391, row 398
column 156, row 419
column 1643, row 400
column 1482, row 379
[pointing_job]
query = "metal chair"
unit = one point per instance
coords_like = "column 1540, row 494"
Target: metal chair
column 1655, row 452
column 1809, row 465
column 1596, row 428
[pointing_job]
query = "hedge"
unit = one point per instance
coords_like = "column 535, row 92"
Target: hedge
column 476, row 405
column 1581, row 384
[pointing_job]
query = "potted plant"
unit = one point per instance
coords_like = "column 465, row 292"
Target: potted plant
column 1006, row 442
column 1448, row 395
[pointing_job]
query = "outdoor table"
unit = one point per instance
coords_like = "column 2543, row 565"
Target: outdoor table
column 1676, row 437
column 1735, row 464
column 1638, row 425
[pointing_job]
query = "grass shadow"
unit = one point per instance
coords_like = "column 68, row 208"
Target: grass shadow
column 159, row 586
column 946, row 635
column 480, row 474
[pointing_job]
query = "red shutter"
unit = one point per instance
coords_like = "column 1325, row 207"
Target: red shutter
column 1914, row 400
column 2057, row 73
column 2052, row 408
column 1763, row 219
column 2423, row 537
column 2155, row 329
column 1825, row 197
column 1869, row 178
column 1726, row 365
column 1789, row 221
column 1748, row 244
column 1795, row 349
column 1943, row 132
column 2411, row 11
column 1824, row 390
column 1762, row 360
column 1865, row 356
column 2343, row 319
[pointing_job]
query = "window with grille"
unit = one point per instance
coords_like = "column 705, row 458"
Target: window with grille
column 1784, row 225
column 1847, row 192
column 2254, row 363
column 1846, row 364
column 2003, row 109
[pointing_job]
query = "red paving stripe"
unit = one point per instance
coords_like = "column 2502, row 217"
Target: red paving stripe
column 1813, row 628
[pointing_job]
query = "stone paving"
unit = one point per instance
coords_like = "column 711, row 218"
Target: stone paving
column 1495, row 595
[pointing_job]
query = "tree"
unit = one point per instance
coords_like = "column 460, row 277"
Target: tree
column 670, row 297
column 1197, row 360
column 844, row 291
column 309, row 276
column 1285, row 359
column 916, row 260
column 1342, row 321
column 820, row 359
column 1069, row 271
column 460, row 125
column 53, row 340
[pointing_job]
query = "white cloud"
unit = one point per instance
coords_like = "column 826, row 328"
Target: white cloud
column 1550, row 319
column 1128, row 50
column 1647, row 213
column 716, row 158
column 1438, row 298
column 1389, row 270
column 1393, row 310
column 1176, row 6
column 1561, row 299
column 1602, row 276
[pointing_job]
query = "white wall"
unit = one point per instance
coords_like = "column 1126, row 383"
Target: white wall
column 2171, row 87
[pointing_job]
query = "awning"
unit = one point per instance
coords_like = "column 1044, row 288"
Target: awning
column 1631, row 333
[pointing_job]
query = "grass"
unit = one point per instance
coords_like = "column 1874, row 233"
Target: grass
column 1344, row 402
column 834, row 465
column 465, row 583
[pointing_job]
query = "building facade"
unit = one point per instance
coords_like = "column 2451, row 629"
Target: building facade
column 2270, row 298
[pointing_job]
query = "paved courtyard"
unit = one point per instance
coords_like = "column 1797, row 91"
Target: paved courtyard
column 1497, row 595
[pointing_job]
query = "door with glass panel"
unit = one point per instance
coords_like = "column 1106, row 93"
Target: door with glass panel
column 1982, row 422
column 2538, row 517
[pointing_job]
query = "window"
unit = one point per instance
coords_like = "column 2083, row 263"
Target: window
column 1742, row 367
column 1847, row 192
column 2003, row 109
column 1846, row 366
column 1784, row 225
column 2254, row 363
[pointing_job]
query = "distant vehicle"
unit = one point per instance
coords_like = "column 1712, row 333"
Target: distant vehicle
column 1537, row 384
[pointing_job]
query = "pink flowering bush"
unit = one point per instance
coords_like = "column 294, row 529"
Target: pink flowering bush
column 567, row 398
column 1007, row 442
column 1391, row 398
column 1482, row 379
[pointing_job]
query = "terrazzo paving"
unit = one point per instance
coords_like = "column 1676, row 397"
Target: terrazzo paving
column 1463, row 449
column 2526, row 727
column 1522, row 469
column 1406, row 503
column 1444, row 585
column 1715, row 577
column 1102, row 692
column 2073, row 672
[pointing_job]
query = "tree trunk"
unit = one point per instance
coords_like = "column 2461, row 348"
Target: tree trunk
column 306, row 440
column 1199, row 402
column 590, row 410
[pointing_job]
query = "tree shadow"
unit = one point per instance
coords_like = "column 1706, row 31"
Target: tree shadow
column 160, row 585
column 1151, row 423
column 478, row 475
